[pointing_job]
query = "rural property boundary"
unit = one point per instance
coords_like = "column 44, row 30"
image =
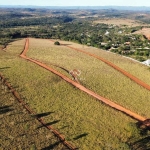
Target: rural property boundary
column 41, row 120
column 135, row 79
column 82, row 88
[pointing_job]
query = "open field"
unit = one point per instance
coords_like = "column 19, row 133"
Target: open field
column 85, row 122
column 144, row 31
column 95, row 75
column 19, row 130
column 120, row 22
column 137, row 69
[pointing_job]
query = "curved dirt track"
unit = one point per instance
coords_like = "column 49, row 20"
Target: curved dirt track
column 135, row 79
column 82, row 88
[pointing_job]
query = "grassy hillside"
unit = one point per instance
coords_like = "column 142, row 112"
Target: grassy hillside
column 19, row 130
column 85, row 122
column 95, row 74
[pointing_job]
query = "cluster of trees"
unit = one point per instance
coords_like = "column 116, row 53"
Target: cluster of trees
column 83, row 31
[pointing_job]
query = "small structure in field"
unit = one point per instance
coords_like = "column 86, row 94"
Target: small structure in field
column 147, row 62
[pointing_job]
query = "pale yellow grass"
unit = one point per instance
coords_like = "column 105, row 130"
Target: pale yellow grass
column 76, row 112
column 119, row 22
column 144, row 31
column 135, row 68
column 95, row 74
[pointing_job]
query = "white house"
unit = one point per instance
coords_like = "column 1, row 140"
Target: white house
column 107, row 33
column 147, row 62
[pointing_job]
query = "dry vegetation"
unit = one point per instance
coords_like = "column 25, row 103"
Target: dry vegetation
column 120, row 22
column 136, row 68
column 144, row 31
column 85, row 122
column 19, row 130
column 95, row 75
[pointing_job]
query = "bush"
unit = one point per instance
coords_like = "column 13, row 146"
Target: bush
column 56, row 43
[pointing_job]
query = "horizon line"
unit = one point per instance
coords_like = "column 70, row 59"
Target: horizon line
column 78, row 5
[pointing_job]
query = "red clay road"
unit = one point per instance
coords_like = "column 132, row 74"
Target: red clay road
column 82, row 88
column 135, row 79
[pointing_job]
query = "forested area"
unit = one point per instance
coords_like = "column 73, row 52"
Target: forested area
column 42, row 23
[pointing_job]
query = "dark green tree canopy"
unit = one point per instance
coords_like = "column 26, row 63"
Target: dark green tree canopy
column 56, row 43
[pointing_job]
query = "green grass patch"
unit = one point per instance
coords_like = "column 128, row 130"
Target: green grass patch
column 19, row 130
column 85, row 122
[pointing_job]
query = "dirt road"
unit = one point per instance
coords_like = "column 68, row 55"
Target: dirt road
column 135, row 79
column 82, row 88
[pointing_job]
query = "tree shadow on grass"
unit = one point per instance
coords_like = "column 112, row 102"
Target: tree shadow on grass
column 142, row 139
column 80, row 136
column 64, row 127
column 49, row 124
column 142, row 144
column 5, row 109
column 52, row 146
column 4, row 68
column 42, row 114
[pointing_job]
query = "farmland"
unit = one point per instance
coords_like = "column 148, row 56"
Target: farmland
column 144, row 31
column 23, row 131
column 85, row 122
column 121, row 22
column 97, row 77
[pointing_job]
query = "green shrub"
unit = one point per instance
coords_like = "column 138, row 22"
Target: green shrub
column 56, row 43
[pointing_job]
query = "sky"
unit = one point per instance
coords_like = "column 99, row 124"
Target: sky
column 77, row 2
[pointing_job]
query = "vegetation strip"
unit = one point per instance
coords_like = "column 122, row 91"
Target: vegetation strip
column 54, row 131
column 135, row 79
column 82, row 88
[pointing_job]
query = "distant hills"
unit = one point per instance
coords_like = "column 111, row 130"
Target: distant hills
column 134, row 8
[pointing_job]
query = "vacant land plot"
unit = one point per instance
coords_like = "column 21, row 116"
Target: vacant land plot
column 19, row 130
column 85, row 122
column 95, row 75
column 144, row 31
column 137, row 69
column 120, row 22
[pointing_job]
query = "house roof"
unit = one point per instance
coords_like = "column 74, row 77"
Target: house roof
column 147, row 62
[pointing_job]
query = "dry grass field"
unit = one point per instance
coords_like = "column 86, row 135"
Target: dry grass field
column 120, row 22
column 144, row 31
column 19, row 130
column 137, row 69
column 95, row 74
column 85, row 122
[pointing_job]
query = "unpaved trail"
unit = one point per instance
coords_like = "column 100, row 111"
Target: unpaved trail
column 135, row 79
column 82, row 88
column 30, row 111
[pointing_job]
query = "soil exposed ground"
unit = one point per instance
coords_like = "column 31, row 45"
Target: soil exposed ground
column 144, row 31
column 19, row 130
column 120, row 22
